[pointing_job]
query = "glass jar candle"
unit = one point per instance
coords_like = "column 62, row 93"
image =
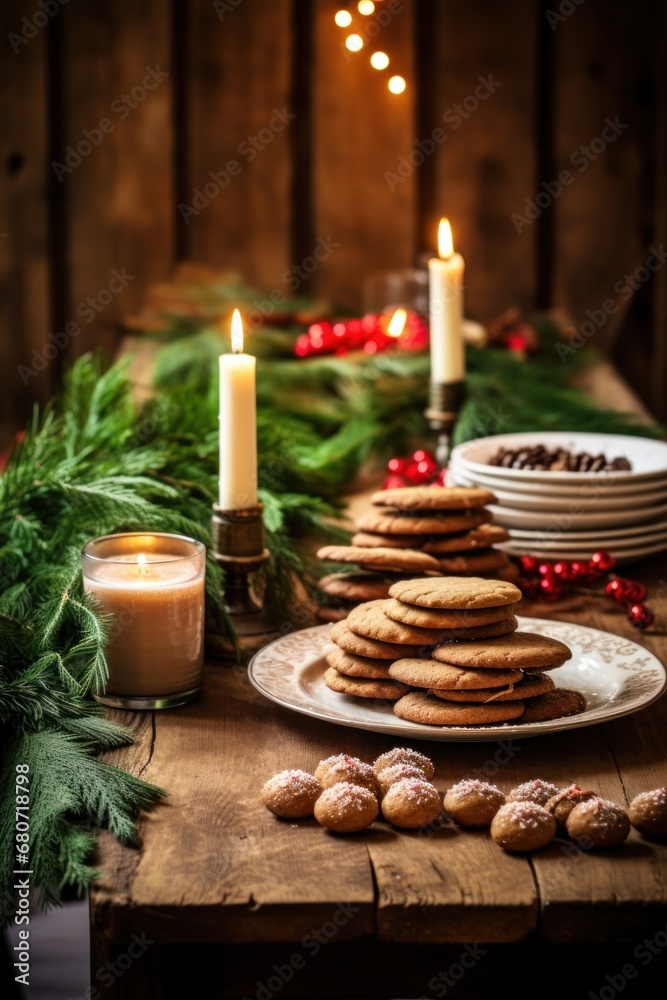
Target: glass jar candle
column 153, row 585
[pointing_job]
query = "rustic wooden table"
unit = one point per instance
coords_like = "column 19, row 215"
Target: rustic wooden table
column 226, row 898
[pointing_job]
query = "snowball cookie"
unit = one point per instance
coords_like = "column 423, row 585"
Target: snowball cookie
column 562, row 804
column 341, row 767
column 388, row 776
column 523, row 826
column 473, row 803
column 346, row 808
column 533, row 791
column 648, row 812
column 291, row 794
column 598, row 823
column 411, row 803
column 405, row 755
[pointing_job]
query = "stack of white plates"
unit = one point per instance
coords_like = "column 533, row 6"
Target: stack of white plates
column 570, row 515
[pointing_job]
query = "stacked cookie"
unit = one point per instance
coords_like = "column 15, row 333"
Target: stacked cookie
column 447, row 652
column 413, row 531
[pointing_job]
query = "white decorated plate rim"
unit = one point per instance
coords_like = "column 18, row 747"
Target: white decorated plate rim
column 620, row 674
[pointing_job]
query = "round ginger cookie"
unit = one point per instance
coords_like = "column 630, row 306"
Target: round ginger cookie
column 598, row 822
column 405, row 755
column 433, row 498
column 529, row 688
column 370, row 541
column 388, row 522
column 358, row 666
column 291, row 794
column 356, row 586
column 648, row 812
column 370, row 621
column 477, row 538
column 472, row 802
column 442, row 676
column 523, row 826
column 400, row 560
column 473, row 562
column 554, row 705
column 455, row 594
column 346, row 808
column 361, row 688
column 418, row 706
column 350, row 642
column 518, row 651
column 459, row 623
column 411, row 803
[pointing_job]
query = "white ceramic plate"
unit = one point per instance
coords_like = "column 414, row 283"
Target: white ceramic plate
column 508, row 517
column 463, row 477
column 615, row 675
column 647, row 456
column 623, row 557
column 640, row 532
column 587, row 499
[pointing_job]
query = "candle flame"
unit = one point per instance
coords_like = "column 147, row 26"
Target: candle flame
column 237, row 332
column 397, row 323
column 445, row 241
column 142, row 564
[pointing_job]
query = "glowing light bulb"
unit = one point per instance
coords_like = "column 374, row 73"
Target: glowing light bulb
column 445, row 241
column 366, row 7
column 237, row 332
column 343, row 18
column 354, row 43
column 379, row 60
column 397, row 85
column 397, row 323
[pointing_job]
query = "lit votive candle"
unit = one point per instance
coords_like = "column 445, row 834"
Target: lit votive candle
column 153, row 585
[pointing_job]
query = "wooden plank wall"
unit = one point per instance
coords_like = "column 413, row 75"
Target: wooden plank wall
column 302, row 137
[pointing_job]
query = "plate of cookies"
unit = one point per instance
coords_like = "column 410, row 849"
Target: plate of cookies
column 448, row 658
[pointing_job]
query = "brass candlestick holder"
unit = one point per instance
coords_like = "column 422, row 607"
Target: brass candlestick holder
column 238, row 547
column 445, row 402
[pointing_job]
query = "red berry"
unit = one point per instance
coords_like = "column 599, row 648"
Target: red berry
column 440, row 478
column 546, row 569
column 640, row 616
column 397, row 465
column 528, row 564
column 578, row 570
column 616, row 589
column 550, row 588
column 635, row 591
column 562, row 570
column 602, row 562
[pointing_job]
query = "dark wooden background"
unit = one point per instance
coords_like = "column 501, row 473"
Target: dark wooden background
column 323, row 175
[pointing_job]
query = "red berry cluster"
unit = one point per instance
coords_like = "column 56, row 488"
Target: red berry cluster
column 369, row 334
column 418, row 469
column 549, row 580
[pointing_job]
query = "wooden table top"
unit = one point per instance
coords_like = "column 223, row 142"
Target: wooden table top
column 216, row 866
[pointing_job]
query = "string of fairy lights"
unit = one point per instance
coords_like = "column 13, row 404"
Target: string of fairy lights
column 362, row 34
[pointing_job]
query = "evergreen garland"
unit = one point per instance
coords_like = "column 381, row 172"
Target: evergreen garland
column 96, row 462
